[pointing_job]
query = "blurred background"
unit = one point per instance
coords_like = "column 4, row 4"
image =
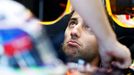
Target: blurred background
column 53, row 16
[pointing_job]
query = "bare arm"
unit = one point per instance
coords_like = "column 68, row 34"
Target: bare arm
column 93, row 13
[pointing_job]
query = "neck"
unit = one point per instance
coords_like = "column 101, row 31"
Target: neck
column 95, row 61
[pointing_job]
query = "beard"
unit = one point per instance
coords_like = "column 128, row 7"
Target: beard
column 71, row 52
column 74, row 53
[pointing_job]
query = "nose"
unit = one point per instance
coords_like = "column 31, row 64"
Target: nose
column 75, row 33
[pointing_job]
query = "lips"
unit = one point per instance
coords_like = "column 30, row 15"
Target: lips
column 73, row 43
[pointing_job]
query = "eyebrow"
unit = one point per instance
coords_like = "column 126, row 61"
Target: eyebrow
column 74, row 19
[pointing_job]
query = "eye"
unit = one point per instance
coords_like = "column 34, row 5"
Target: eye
column 72, row 23
column 86, row 26
column 89, row 30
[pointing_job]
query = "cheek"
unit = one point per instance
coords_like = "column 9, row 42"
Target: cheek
column 66, row 38
column 67, row 35
column 90, row 42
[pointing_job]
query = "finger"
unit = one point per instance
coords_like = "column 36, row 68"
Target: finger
column 123, row 64
column 122, row 60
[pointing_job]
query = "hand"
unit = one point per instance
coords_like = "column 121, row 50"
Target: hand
column 115, row 54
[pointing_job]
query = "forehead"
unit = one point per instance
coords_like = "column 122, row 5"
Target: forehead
column 75, row 15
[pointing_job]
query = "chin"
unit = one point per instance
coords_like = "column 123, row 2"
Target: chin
column 72, row 58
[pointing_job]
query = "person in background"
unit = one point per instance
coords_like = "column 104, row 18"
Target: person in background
column 23, row 42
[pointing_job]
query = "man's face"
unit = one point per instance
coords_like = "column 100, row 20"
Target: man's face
column 79, row 41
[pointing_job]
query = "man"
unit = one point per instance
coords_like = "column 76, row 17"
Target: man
column 92, row 11
column 80, row 42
